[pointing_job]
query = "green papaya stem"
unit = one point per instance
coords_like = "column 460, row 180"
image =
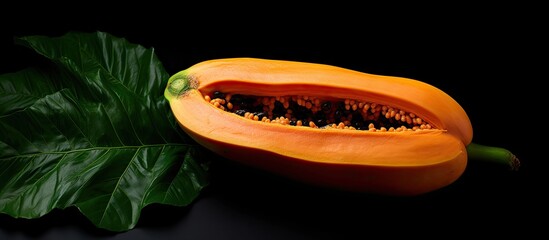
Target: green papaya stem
column 179, row 84
column 493, row 154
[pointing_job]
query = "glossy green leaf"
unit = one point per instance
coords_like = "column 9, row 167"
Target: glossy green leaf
column 93, row 130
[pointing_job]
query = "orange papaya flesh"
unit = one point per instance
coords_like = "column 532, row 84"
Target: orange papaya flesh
column 386, row 162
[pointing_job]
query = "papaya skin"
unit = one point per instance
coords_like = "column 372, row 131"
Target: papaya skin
column 391, row 163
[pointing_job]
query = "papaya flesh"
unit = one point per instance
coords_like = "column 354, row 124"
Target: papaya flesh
column 410, row 138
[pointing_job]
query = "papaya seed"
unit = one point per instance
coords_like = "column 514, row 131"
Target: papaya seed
column 315, row 112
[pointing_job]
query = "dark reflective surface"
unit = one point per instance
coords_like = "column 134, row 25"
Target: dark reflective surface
column 488, row 73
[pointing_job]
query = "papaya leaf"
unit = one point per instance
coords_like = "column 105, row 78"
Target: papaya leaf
column 91, row 129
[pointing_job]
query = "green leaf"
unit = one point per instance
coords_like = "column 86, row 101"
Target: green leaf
column 93, row 130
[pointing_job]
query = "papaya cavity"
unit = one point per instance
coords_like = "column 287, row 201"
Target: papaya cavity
column 319, row 112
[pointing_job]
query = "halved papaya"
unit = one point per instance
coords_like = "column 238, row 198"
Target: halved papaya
column 324, row 125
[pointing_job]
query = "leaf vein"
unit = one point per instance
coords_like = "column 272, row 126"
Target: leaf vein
column 117, row 186
column 93, row 148
column 111, row 123
column 74, row 102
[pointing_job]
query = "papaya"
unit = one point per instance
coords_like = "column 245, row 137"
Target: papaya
column 324, row 125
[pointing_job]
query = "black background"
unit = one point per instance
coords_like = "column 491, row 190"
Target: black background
column 485, row 57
